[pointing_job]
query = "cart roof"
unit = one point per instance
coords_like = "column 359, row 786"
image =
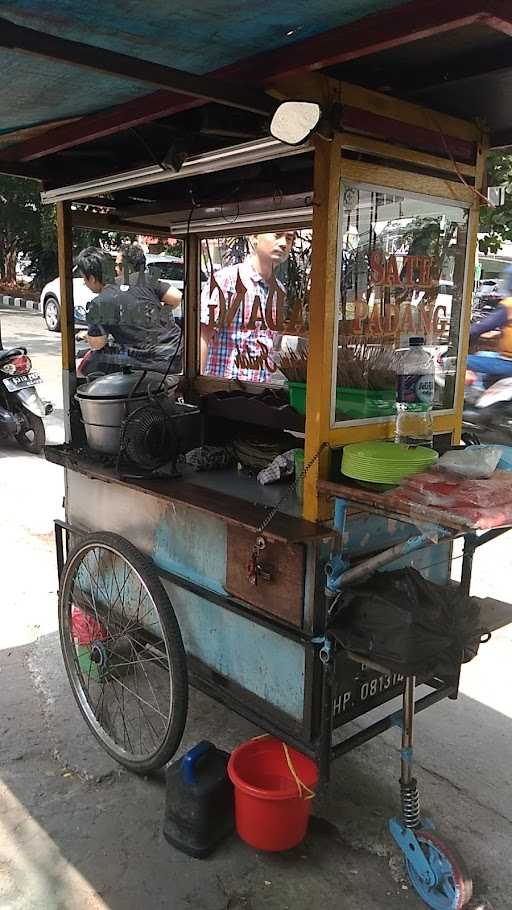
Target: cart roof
column 95, row 88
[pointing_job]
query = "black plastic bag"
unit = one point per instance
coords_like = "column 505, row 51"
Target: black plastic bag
column 402, row 620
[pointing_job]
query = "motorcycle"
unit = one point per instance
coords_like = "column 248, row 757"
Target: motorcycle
column 21, row 408
column 488, row 410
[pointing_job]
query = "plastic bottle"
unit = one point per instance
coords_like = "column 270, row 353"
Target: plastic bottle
column 414, row 395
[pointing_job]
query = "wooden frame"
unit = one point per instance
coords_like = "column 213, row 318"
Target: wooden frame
column 330, row 169
column 67, row 328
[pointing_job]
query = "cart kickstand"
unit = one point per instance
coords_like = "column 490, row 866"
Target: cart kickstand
column 435, row 870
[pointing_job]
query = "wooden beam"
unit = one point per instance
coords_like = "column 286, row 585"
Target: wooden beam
column 103, row 222
column 358, row 143
column 499, row 16
column 103, row 60
column 456, row 69
column 192, row 297
column 104, row 123
column 501, row 139
column 413, row 115
column 377, row 32
column 67, row 327
column 363, row 172
column 370, row 112
column 420, row 137
column 389, row 28
column 469, row 280
column 322, row 315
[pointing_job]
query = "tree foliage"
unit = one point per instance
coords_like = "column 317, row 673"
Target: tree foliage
column 496, row 223
column 19, row 222
column 29, row 228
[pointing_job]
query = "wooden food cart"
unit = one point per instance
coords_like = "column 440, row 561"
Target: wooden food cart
column 176, row 578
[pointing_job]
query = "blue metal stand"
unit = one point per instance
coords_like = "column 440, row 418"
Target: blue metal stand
column 434, row 869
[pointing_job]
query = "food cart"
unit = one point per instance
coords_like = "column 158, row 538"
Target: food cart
column 170, row 578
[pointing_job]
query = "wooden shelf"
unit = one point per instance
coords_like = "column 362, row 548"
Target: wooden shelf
column 232, row 509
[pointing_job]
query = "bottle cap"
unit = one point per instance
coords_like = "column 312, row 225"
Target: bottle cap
column 416, row 341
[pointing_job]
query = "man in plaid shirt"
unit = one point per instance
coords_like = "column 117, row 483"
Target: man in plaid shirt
column 236, row 337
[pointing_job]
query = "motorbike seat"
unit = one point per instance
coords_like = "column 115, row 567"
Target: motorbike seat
column 12, row 352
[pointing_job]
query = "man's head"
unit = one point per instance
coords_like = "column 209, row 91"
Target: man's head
column 273, row 248
column 133, row 254
column 95, row 266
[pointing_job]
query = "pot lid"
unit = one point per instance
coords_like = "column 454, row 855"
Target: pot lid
column 119, row 385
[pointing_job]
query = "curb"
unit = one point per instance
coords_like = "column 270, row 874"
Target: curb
column 7, row 303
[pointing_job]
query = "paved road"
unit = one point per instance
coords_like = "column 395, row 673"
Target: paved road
column 75, row 832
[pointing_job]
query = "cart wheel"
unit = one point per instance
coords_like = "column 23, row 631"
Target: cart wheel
column 123, row 651
column 453, row 887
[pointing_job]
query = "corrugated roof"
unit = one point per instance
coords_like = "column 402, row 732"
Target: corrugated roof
column 196, row 37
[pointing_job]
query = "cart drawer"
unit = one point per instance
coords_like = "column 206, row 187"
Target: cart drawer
column 283, row 594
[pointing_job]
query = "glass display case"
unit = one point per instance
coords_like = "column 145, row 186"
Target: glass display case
column 401, row 264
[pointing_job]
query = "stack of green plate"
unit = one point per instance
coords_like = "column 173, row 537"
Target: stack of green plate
column 385, row 462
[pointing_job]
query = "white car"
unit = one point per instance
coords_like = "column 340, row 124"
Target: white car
column 165, row 268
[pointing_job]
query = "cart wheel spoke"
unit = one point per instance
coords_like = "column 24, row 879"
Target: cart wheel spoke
column 123, row 651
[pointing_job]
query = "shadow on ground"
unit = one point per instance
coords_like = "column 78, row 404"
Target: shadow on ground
column 76, row 830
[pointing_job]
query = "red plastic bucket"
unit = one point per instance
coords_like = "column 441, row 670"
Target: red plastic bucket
column 273, row 785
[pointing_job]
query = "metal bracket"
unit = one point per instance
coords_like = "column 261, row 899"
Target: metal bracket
column 406, row 840
column 325, row 647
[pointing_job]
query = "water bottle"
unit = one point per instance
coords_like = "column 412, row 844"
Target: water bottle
column 414, row 395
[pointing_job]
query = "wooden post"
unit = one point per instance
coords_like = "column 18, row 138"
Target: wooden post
column 191, row 304
column 472, row 240
column 321, row 318
column 67, row 325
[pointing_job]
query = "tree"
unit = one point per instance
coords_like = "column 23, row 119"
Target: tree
column 19, row 222
column 29, row 228
column 496, row 223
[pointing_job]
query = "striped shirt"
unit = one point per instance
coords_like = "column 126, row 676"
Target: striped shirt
column 234, row 302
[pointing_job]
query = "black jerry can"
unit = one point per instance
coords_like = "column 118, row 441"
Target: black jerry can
column 199, row 807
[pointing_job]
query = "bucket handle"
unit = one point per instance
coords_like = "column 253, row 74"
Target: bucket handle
column 301, row 786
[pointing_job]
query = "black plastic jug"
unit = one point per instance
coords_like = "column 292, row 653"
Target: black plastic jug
column 199, row 811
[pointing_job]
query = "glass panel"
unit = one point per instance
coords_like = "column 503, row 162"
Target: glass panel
column 401, row 274
column 130, row 305
column 254, row 306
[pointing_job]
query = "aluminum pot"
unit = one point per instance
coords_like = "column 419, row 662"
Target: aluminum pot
column 107, row 401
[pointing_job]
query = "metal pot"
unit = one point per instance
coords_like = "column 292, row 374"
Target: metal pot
column 107, row 401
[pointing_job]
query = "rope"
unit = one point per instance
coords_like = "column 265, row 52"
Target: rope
column 301, row 786
column 473, row 189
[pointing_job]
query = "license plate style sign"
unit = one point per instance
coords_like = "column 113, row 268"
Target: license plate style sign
column 14, row 383
column 358, row 689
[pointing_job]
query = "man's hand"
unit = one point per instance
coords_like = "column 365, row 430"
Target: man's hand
column 96, row 342
column 172, row 297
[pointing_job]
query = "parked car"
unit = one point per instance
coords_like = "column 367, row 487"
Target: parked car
column 164, row 268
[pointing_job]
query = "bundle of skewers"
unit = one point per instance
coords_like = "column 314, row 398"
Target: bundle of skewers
column 366, row 366
column 360, row 366
column 294, row 365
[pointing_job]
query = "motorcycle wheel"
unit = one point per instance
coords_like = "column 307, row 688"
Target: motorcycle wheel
column 32, row 437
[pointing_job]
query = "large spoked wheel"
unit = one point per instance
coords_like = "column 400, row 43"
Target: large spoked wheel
column 453, row 887
column 123, row 651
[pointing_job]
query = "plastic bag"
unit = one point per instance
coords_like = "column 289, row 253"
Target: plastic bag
column 406, row 622
column 476, row 462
